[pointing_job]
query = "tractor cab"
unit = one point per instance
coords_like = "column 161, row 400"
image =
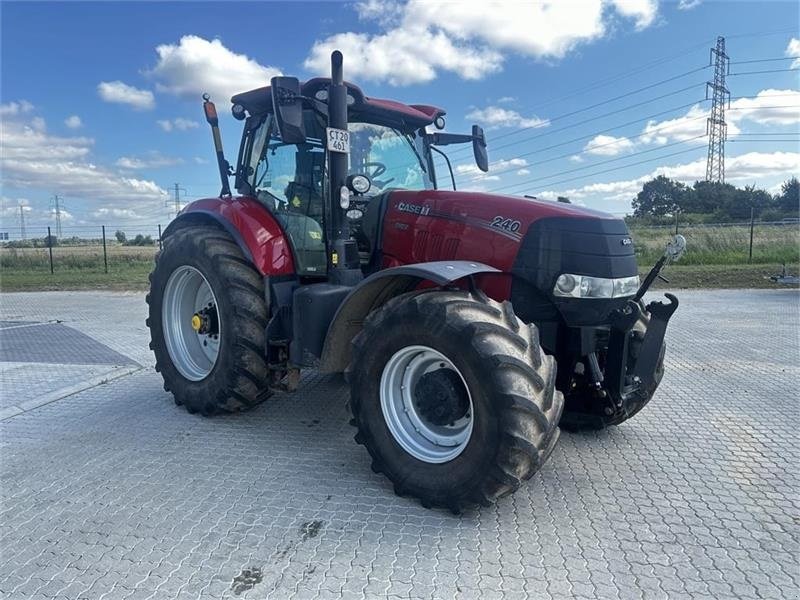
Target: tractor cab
column 389, row 149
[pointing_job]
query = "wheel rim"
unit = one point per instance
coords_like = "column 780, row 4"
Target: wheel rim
column 187, row 298
column 405, row 414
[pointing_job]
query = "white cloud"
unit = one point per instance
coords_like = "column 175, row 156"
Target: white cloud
column 688, row 4
column 608, row 145
column 793, row 49
column 769, row 107
column 422, row 37
column 38, row 124
column 383, row 12
column 154, row 160
column 122, row 93
column 496, row 116
column 503, row 165
column 34, row 159
column 644, row 12
column 73, row 122
column 179, row 124
column 15, row 108
column 680, row 129
column 524, row 172
column 751, row 167
column 402, row 56
column 200, row 160
column 196, row 65
column 577, row 158
column 128, row 214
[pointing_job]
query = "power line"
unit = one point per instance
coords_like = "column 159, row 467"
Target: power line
column 759, row 60
column 758, row 72
column 628, row 73
column 649, row 132
column 595, row 147
column 595, row 133
column 589, row 120
column 762, row 33
column 635, row 163
column 604, row 162
column 553, row 183
column 766, row 140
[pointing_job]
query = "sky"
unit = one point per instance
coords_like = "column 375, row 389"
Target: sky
column 101, row 101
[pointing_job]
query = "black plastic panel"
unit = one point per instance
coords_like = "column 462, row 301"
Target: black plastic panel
column 581, row 246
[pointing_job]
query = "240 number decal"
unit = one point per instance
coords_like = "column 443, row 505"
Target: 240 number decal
column 506, row 224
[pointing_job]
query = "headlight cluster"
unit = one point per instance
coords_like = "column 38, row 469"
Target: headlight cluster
column 583, row 286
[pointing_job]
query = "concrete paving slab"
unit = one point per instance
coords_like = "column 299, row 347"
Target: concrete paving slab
column 116, row 492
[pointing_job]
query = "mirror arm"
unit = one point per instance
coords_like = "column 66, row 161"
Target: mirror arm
column 445, row 139
column 449, row 166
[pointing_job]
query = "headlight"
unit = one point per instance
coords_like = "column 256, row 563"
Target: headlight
column 583, row 286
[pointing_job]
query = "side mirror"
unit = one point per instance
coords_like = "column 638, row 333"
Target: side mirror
column 287, row 104
column 479, row 148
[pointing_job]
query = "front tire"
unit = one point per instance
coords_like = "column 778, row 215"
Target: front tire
column 207, row 316
column 453, row 397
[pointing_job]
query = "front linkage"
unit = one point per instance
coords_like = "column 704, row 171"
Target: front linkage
column 632, row 376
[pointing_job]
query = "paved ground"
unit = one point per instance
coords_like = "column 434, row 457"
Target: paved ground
column 114, row 492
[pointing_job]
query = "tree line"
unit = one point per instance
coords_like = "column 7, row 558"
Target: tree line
column 707, row 201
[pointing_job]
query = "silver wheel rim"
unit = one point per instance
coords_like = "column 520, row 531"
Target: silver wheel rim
column 416, row 434
column 187, row 294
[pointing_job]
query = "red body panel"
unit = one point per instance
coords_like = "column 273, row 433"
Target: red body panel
column 258, row 229
column 445, row 225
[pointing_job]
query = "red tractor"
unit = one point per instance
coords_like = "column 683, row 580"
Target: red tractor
column 446, row 311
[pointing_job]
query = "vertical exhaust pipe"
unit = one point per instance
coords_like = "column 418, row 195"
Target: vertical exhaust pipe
column 343, row 261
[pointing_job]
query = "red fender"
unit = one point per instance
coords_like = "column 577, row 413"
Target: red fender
column 255, row 230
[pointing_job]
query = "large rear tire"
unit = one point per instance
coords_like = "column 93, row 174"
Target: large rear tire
column 582, row 411
column 207, row 316
column 453, row 397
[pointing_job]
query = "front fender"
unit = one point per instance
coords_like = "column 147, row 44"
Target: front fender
column 250, row 224
column 374, row 291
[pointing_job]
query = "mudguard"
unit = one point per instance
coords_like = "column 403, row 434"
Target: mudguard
column 376, row 290
column 251, row 225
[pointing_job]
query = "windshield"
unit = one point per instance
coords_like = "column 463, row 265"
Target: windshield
column 390, row 158
column 289, row 179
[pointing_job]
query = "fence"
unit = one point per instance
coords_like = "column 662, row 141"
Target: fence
column 758, row 242
column 116, row 249
column 103, row 249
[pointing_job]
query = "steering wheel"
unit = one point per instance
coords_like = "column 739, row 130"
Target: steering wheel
column 380, row 169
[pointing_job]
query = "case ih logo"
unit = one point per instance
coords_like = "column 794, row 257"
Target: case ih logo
column 416, row 209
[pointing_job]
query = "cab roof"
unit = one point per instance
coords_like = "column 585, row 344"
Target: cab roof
column 406, row 116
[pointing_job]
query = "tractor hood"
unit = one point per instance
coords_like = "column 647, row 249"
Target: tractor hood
column 494, row 224
column 482, row 207
column 534, row 240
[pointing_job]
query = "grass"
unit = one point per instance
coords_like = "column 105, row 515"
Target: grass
column 75, row 268
column 716, row 257
column 772, row 245
column 719, row 276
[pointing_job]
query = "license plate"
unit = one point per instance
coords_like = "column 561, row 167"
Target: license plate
column 338, row 140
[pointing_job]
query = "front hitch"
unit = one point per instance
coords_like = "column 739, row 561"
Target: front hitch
column 629, row 378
